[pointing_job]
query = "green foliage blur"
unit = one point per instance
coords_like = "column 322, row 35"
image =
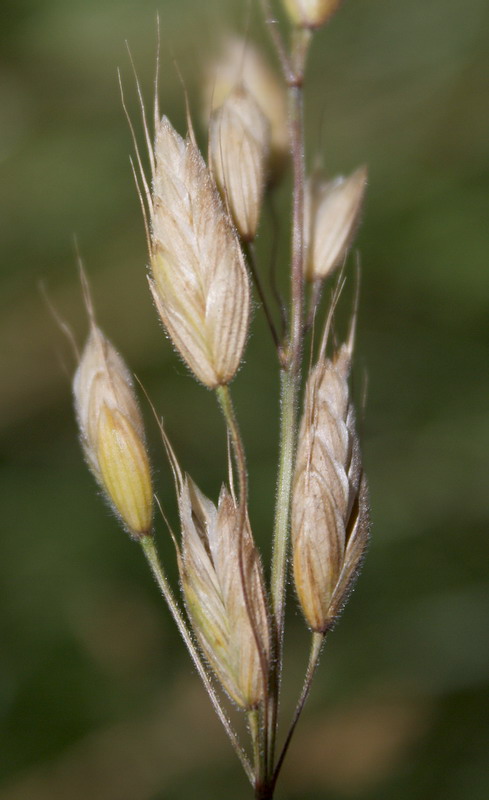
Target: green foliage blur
column 97, row 695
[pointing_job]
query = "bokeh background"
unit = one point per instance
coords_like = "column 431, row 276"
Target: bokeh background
column 97, row 696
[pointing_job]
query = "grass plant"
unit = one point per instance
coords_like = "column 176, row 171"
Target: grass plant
column 201, row 220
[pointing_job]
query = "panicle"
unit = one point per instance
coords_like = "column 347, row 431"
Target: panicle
column 331, row 215
column 112, row 433
column 242, row 65
column 198, row 276
column 239, row 142
column 310, row 13
column 214, row 595
column 330, row 514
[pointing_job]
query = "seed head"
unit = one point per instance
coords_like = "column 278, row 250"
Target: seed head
column 239, row 143
column 199, row 280
column 214, row 594
column 310, row 13
column 112, row 432
column 330, row 522
column 242, row 65
column 331, row 215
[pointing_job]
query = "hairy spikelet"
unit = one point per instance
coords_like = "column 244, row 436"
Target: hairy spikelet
column 242, row 65
column 112, row 433
column 331, row 215
column 330, row 522
column 199, row 280
column 211, row 581
column 239, row 141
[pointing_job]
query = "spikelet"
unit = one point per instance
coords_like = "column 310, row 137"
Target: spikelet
column 239, row 142
column 310, row 13
column 211, row 581
column 199, row 281
column 331, row 214
column 112, row 433
column 330, row 522
column 242, row 64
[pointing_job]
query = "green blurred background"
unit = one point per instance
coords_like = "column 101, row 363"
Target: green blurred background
column 97, row 696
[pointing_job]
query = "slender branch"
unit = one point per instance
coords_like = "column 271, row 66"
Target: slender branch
column 297, row 268
column 276, row 36
column 151, row 554
column 284, row 487
column 301, row 41
column 316, row 647
column 249, row 249
column 273, row 264
column 280, row 543
column 225, row 401
column 259, row 754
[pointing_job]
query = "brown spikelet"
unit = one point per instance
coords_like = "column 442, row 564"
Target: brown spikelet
column 331, row 215
column 211, row 581
column 112, row 434
column 241, row 64
column 238, row 145
column 330, row 523
column 199, row 280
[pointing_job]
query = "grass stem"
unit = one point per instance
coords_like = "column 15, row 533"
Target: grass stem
column 291, row 371
column 316, row 647
column 249, row 250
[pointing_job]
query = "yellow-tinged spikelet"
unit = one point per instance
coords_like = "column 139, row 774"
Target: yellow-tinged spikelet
column 198, row 276
column 330, row 517
column 112, row 433
column 331, row 215
column 242, row 65
column 239, row 141
column 211, row 581
column 310, row 13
